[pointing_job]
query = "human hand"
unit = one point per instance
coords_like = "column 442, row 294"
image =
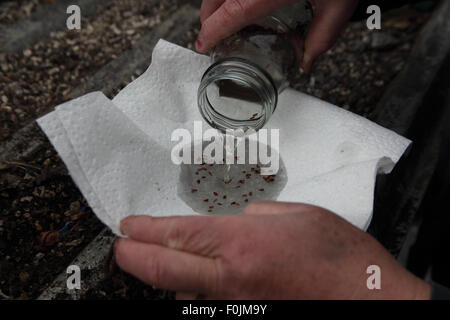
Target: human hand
column 221, row 18
column 271, row 251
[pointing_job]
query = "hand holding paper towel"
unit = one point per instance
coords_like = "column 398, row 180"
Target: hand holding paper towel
column 119, row 152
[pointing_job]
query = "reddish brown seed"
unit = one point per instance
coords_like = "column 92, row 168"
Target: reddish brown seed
column 241, row 181
column 224, row 197
column 215, row 193
column 206, row 200
column 262, row 190
column 198, row 181
column 258, row 166
column 246, row 200
column 194, row 190
column 211, row 207
column 209, row 172
column 210, row 210
column 248, row 175
column 196, row 173
column 235, row 203
column 203, row 177
column 244, row 172
column 250, row 194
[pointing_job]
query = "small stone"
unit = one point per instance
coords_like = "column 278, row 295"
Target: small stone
column 24, row 276
column 75, row 206
column 6, row 108
column 383, row 41
column 26, row 199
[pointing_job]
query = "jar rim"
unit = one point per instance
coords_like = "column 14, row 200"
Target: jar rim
column 248, row 73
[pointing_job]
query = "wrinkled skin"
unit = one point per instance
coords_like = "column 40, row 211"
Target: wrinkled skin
column 271, row 251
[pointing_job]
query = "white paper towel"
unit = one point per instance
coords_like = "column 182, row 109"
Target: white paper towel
column 119, row 152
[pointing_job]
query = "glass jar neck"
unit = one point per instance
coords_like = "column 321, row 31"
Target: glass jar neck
column 236, row 94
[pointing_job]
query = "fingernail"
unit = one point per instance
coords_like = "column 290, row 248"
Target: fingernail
column 306, row 60
column 198, row 44
column 125, row 227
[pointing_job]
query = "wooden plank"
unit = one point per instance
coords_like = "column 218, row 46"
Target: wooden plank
column 413, row 107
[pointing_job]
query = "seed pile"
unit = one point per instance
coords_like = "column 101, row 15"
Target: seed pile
column 222, row 197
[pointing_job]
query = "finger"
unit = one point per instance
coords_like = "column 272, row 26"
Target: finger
column 192, row 234
column 329, row 19
column 298, row 41
column 186, row 296
column 167, row 268
column 232, row 16
column 208, row 8
column 270, row 207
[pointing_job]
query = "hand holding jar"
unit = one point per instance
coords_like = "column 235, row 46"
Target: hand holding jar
column 254, row 45
column 222, row 18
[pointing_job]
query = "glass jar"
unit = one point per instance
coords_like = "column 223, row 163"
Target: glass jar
column 250, row 69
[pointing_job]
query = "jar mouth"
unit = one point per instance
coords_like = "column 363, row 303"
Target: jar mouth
column 235, row 93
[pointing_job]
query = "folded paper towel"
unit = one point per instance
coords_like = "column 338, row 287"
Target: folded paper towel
column 119, row 152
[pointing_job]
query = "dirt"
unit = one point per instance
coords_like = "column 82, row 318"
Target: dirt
column 38, row 199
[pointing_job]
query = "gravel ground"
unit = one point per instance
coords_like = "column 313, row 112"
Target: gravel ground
column 12, row 11
column 32, row 82
column 44, row 220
